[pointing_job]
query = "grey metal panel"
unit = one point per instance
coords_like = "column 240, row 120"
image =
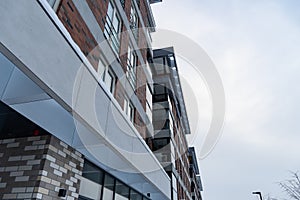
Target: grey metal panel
column 31, row 45
column 21, row 89
column 116, row 125
column 6, row 69
column 85, row 101
column 50, row 116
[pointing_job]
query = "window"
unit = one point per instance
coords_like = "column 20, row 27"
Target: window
column 109, row 185
column 134, row 21
column 107, row 75
column 160, row 143
column 160, row 93
column 122, row 191
column 129, row 109
column 135, row 195
column 102, row 67
column 131, row 67
column 112, row 27
column 92, row 172
column 149, row 103
column 54, row 4
column 109, row 79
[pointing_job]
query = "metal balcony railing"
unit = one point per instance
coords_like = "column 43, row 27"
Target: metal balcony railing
column 112, row 35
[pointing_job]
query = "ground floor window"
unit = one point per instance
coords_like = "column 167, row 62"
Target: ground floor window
column 111, row 187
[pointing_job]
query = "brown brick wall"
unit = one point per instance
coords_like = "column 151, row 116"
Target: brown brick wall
column 72, row 20
column 80, row 33
column 99, row 9
column 144, row 12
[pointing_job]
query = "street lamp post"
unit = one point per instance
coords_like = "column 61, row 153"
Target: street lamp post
column 258, row 193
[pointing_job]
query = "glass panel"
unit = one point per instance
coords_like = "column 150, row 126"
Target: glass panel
column 159, row 89
column 116, row 23
column 160, row 143
column 149, row 96
column 174, row 182
column 131, row 112
column 131, row 66
column 112, row 28
column 161, row 114
column 122, row 191
column 108, row 190
column 135, row 195
column 175, row 197
column 149, row 113
column 109, row 81
column 129, row 109
column 110, row 11
column 51, row 2
column 92, row 172
column 101, row 69
column 83, row 198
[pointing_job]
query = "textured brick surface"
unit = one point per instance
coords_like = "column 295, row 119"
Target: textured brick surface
column 35, row 170
column 72, row 20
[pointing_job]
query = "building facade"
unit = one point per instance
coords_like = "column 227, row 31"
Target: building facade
column 81, row 100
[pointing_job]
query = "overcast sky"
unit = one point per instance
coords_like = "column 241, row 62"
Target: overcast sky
column 255, row 45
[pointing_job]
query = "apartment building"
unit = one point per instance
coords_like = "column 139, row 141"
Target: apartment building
column 78, row 104
column 171, row 126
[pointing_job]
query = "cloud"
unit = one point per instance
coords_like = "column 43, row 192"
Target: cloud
column 255, row 46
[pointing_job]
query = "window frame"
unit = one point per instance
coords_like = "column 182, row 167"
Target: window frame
column 129, row 109
column 112, row 35
column 108, row 71
column 131, row 66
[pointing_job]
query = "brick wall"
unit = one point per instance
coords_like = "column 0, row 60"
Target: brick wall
column 99, row 9
column 72, row 20
column 80, row 33
column 37, row 167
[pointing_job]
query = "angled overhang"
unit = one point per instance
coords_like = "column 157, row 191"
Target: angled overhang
column 45, row 77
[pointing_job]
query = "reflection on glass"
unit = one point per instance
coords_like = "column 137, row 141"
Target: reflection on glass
column 135, row 196
column 92, row 172
column 108, row 190
column 122, row 191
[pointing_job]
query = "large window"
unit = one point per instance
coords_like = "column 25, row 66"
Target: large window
column 131, row 67
column 122, row 191
column 135, row 195
column 112, row 27
column 112, row 188
column 92, row 172
column 109, row 186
